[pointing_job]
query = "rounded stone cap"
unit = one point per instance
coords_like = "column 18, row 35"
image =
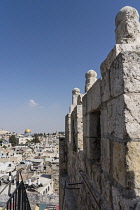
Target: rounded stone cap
column 91, row 73
column 75, row 91
column 126, row 13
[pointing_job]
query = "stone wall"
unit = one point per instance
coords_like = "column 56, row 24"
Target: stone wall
column 100, row 158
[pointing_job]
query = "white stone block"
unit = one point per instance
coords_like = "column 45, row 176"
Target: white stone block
column 115, row 119
column 118, row 48
column 94, row 96
column 125, row 74
column 84, row 102
column 132, row 115
column 105, row 86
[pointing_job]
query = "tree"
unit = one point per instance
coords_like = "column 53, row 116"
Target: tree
column 4, row 147
column 13, row 140
column 36, row 139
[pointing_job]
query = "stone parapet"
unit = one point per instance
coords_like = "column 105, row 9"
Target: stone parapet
column 103, row 127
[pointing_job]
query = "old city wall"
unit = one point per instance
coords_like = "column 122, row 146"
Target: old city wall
column 100, row 153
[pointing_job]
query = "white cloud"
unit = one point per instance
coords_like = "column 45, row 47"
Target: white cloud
column 32, row 103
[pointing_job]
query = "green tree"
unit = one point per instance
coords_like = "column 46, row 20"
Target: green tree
column 36, row 139
column 13, row 140
column 4, row 147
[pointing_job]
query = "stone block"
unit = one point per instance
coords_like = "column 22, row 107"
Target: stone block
column 118, row 48
column 126, row 162
column 106, row 188
column 105, row 155
column 79, row 111
column 132, row 115
column 68, row 128
column 104, row 121
column 82, row 161
column 121, row 202
column 84, row 102
column 77, row 128
column 105, row 86
column 96, row 177
column 87, row 122
column 123, row 116
column 133, row 165
column 85, row 125
column 125, row 74
column 94, row 96
column 85, row 145
column 116, row 118
column 119, row 167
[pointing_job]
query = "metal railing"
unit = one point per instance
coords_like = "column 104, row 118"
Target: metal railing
column 18, row 200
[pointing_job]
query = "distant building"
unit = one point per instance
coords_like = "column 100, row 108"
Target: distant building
column 27, row 132
column 3, row 132
column 24, row 138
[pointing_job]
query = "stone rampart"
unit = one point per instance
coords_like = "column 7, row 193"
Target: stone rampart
column 102, row 144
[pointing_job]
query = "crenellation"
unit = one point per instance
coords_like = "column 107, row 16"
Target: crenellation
column 127, row 26
column 75, row 93
column 91, row 77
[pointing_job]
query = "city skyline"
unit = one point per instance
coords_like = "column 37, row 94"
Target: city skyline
column 46, row 49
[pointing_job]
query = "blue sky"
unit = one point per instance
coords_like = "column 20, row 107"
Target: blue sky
column 46, row 47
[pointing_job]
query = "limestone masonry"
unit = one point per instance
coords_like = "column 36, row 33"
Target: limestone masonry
column 100, row 154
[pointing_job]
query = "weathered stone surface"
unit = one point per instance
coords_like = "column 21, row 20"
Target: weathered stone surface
column 79, row 99
column 115, row 120
column 120, row 202
column 126, row 161
column 68, row 127
column 91, row 77
column 125, row 74
column 84, row 102
column 110, row 157
column 105, row 155
column 138, row 206
column 92, row 135
column 71, row 108
column 93, row 148
column 104, row 121
column 133, row 165
column 132, row 115
column 119, row 170
column 67, row 201
column 106, row 188
column 118, row 48
column 75, row 93
column 77, row 128
column 127, row 26
column 87, row 124
column 123, row 116
column 94, row 97
column 105, row 86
